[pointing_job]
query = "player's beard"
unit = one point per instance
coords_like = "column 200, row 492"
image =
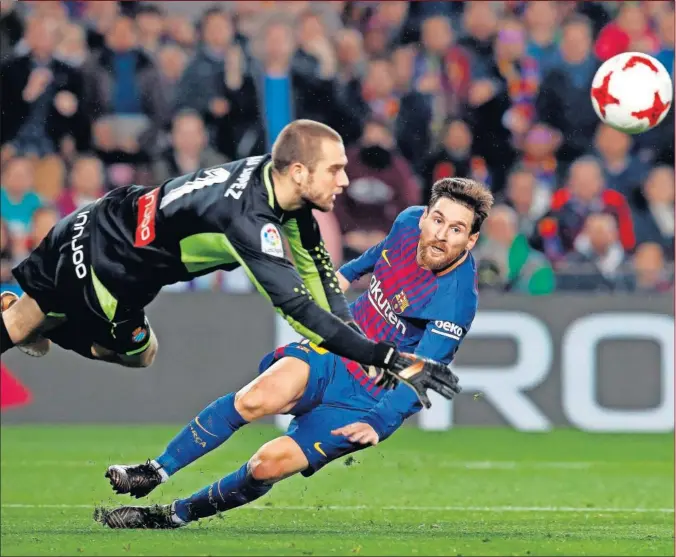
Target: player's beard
column 427, row 258
column 308, row 196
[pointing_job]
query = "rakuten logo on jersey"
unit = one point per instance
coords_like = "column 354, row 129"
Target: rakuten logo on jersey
column 243, row 179
column 382, row 305
column 448, row 329
column 145, row 224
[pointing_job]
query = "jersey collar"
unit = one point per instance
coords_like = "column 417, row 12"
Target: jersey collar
column 454, row 264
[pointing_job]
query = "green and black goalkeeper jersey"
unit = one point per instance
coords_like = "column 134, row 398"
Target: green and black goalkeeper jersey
column 222, row 217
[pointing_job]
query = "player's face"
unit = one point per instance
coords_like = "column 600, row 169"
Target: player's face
column 328, row 179
column 445, row 232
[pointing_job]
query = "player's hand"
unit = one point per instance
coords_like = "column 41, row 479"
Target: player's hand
column 358, row 432
column 421, row 374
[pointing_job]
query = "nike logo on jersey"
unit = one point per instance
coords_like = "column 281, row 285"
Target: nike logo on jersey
column 197, row 421
column 319, row 449
column 384, row 254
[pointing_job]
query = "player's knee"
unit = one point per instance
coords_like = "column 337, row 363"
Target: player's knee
column 277, row 459
column 268, row 466
column 251, row 403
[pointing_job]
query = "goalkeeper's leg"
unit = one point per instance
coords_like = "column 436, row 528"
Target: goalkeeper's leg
column 275, row 391
column 274, row 461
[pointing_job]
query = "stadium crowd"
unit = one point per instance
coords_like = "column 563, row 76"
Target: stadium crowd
column 95, row 95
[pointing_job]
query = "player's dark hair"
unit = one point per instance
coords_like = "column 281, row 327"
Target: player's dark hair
column 470, row 193
column 579, row 19
column 300, row 141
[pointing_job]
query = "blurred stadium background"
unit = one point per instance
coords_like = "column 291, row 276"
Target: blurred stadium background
column 576, row 262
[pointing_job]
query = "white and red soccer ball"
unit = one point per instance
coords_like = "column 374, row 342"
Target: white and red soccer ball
column 632, row 92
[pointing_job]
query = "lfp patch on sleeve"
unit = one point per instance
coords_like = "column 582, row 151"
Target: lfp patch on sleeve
column 271, row 241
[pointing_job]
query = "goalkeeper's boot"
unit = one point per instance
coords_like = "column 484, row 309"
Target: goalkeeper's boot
column 36, row 346
column 156, row 517
column 136, row 479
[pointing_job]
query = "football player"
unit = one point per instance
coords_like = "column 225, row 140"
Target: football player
column 422, row 296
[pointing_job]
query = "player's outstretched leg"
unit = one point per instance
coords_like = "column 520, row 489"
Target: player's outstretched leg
column 275, row 391
column 16, row 327
column 274, row 461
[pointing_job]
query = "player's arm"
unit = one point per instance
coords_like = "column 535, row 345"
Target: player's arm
column 362, row 265
column 314, row 264
column 278, row 281
column 439, row 342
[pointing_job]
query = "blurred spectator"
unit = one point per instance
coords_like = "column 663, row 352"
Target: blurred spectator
column 200, row 85
column 181, row 31
column 481, row 24
column 171, row 61
column 441, row 70
column 43, row 221
column 72, row 47
column 410, row 114
column 189, row 151
column 563, row 100
column 623, row 171
column 651, row 273
column 350, row 55
column 628, row 32
column 403, row 60
column 388, row 21
column 585, row 193
column 654, row 214
column 124, row 86
column 665, row 26
column 11, row 28
column 520, row 76
column 285, row 92
column 6, row 255
column 43, row 93
column 455, row 157
column 598, row 261
column 150, row 21
column 488, row 95
column 539, row 156
column 18, row 201
column 98, row 18
column 50, row 177
column 382, row 185
column 86, row 185
column 528, row 199
column 506, row 262
column 541, row 19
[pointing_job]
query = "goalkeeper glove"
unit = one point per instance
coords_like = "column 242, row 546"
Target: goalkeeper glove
column 418, row 373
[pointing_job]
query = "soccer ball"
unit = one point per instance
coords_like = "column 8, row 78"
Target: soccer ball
column 632, row 92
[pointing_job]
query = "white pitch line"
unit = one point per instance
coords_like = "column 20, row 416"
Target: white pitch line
column 461, row 464
column 495, row 509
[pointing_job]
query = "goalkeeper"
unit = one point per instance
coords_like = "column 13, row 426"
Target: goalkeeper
column 422, row 296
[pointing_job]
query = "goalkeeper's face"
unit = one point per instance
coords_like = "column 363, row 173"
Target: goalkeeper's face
column 445, row 232
column 328, row 180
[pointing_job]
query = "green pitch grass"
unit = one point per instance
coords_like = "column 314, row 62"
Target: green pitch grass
column 463, row 492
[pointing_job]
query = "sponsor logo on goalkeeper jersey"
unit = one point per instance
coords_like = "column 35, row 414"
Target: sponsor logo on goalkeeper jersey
column 448, row 329
column 78, row 247
column 145, row 223
column 271, row 241
column 383, row 306
column 242, row 181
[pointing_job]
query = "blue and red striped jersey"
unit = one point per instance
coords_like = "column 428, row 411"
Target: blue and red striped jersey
column 422, row 312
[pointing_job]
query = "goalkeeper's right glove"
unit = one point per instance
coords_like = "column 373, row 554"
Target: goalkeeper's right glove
column 418, row 373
